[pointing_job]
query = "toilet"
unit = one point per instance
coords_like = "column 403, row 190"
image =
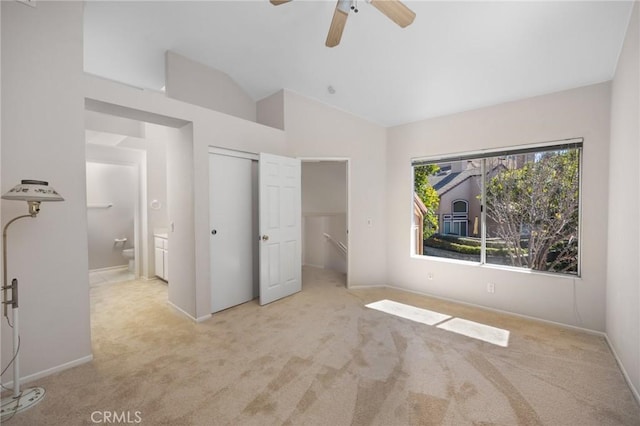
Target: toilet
column 129, row 254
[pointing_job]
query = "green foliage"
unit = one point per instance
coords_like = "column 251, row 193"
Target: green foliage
column 463, row 245
column 535, row 211
column 428, row 195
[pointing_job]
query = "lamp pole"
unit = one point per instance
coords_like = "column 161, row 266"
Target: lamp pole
column 33, row 192
column 14, row 306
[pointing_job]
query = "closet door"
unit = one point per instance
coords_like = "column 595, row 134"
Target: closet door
column 233, row 230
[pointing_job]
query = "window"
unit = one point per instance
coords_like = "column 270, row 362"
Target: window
column 456, row 222
column 517, row 208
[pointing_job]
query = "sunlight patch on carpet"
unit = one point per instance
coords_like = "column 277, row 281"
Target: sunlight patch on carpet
column 409, row 312
column 476, row 330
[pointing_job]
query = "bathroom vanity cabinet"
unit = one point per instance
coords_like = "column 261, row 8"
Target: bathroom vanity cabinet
column 161, row 256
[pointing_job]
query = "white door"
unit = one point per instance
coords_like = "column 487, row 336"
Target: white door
column 280, row 230
column 233, row 230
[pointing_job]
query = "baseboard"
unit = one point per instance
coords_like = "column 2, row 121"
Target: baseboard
column 188, row 315
column 364, row 287
column 49, row 371
column 204, row 318
column 634, row 391
column 153, row 278
column 500, row 311
column 109, row 268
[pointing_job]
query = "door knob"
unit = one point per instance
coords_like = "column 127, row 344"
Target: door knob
column 214, row 232
column 265, row 238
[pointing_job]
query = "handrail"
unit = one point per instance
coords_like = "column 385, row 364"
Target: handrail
column 341, row 246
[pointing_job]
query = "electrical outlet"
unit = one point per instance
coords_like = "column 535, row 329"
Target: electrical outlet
column 491, row 288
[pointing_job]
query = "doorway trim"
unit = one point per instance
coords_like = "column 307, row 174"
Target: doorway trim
column 346, row 160
column 233, row 153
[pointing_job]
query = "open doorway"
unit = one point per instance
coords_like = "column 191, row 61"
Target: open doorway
column 325, row 215
column 126, row 196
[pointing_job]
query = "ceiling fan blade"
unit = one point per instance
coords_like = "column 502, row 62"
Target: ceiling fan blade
column 396, row 11
column 279, row 2
column 338, row 22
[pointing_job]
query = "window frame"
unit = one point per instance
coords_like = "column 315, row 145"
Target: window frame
column 572, row 143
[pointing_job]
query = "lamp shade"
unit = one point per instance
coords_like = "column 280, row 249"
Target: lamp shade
column 33, row 190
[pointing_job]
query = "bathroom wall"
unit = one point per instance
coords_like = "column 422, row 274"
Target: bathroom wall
column 153, row 202
column 115, row 185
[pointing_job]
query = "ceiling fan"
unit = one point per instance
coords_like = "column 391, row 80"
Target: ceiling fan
column 392, row 9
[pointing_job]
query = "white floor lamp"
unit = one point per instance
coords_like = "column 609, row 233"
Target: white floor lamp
column 33, row 192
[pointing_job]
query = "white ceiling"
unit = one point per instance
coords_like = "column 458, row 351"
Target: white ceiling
column 456, row 56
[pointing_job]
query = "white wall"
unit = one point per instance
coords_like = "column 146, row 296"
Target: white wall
column 110, row 124
column 324, row 187
column 270, row 110
column 623, row 277
column 193, row 82
column 314, row 129
column 180, row 199
column 115, row 185
column 581, row 112
column 41, row 82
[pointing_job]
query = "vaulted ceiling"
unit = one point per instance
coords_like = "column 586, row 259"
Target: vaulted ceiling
column 455, row 56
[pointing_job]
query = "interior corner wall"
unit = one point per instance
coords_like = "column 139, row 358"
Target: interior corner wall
column 198, row 84
column 582, row 112
column 623, row 273
column 314, row 129
column 270, row 110
column 43, row 138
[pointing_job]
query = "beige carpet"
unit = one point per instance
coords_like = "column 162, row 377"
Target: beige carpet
column 321, row 358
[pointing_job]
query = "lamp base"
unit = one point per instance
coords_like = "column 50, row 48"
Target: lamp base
column 28, row 398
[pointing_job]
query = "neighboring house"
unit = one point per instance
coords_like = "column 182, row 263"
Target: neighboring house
column 458, row 185
column 419, row 211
